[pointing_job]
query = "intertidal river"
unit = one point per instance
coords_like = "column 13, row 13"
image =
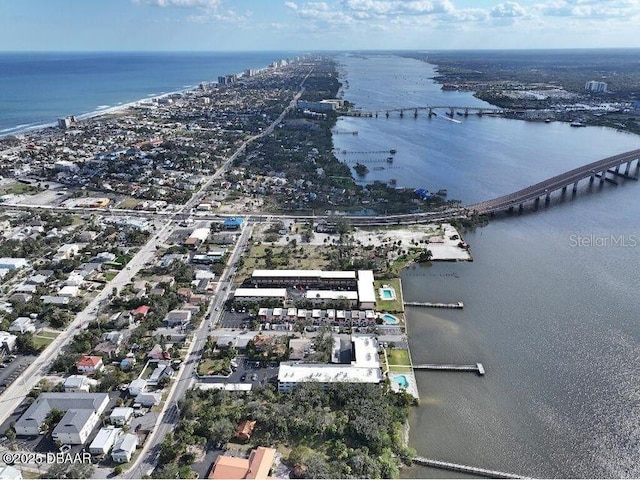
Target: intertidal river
column 551, row 302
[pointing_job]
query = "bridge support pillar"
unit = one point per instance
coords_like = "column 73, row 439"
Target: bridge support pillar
column 430, row 112
column 376, row 114
column 401, row 113
column 547, row 199
column 510, row 209
column 603, row 177
column 520, row 208
column 575, row 188
column 593, row 176
column 387, row 114
column 564, row 190
column 452, row 112
column 466, row 112
column 415, row 113
column 626, row 170
column 617, row 169
column 536, row 203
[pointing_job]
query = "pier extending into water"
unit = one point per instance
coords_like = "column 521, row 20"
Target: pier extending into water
column 435, row 305
column 456, row 467
column 478, row 367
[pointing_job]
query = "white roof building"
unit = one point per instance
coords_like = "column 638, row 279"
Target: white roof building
column 104, row 440
column 121, row 415
column 364, row 367
column 366, row 290
column 79, row 383
column 124, row 448
column 22, row 325
column 12, row 263
column 251, row 294
column 7, row 341
column 137, row 386
column 69, row 291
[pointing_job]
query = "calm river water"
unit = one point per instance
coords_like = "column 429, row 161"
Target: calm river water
column 555, row 324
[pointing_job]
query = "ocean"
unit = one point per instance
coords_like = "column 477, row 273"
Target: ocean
column 553, row 320
column 38, row 88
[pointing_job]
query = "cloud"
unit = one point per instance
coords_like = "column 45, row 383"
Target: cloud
column 398, row 7
column 508, row 10
column 206, row 11
column 590, row 8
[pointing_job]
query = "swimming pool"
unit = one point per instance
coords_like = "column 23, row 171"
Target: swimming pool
column 400, row 380
column 387, row 293
column 390, row 319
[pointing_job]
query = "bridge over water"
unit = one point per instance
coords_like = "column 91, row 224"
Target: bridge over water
column 451, row 110
column 608, row 169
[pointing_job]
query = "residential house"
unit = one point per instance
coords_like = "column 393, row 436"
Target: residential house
column 162, row 371
column 22, row 325
column 137, row 386
column 148, row 399
column 257, row 466
column 89, row 364
column 104, row 440
column 157, row 353
column 124, row 448
column 177, row 318
column 79, row 383
column 245, row 430
column 121, row 415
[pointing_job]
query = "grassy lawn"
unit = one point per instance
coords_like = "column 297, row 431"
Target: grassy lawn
column 17, row 188
column 214, row 367
column 311, row 258
column 47, row 334
column 43, row 341
column 110, row 275
column 389, row 305
column 128, row 203
column 400, row 369
column 398, row 356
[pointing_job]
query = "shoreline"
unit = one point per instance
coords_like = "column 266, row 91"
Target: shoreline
column 98, row 112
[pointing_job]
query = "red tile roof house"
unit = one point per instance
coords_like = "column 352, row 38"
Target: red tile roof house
column 141, row 311
column 89, row 364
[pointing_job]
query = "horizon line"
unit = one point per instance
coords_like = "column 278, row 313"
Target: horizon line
column 329, row 50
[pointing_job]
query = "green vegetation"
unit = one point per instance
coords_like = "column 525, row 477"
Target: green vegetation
column 305, row 257
column 398, row 356
column 347, row 431
column 389, row 305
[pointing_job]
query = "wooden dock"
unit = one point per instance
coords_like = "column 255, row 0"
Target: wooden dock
column 455, row 467
column 435, row 305
column 478, row 367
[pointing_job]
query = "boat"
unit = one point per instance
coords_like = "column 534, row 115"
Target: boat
column 393, row 151
column 577, row 124
column 389, row 159
column 548, row 120
column 378, row 168
column 442, row 192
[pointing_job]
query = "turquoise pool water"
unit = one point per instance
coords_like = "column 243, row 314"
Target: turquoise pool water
column 386, row 293
column 390, row 319
column 401, row 380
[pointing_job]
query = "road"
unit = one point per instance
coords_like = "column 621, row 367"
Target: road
column 169, row 417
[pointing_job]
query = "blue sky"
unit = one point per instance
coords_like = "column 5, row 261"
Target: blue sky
column 229, row 25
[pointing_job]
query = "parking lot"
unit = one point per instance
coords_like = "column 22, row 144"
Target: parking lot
column 247, row 371
column 237, row 320
column 14, row 367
